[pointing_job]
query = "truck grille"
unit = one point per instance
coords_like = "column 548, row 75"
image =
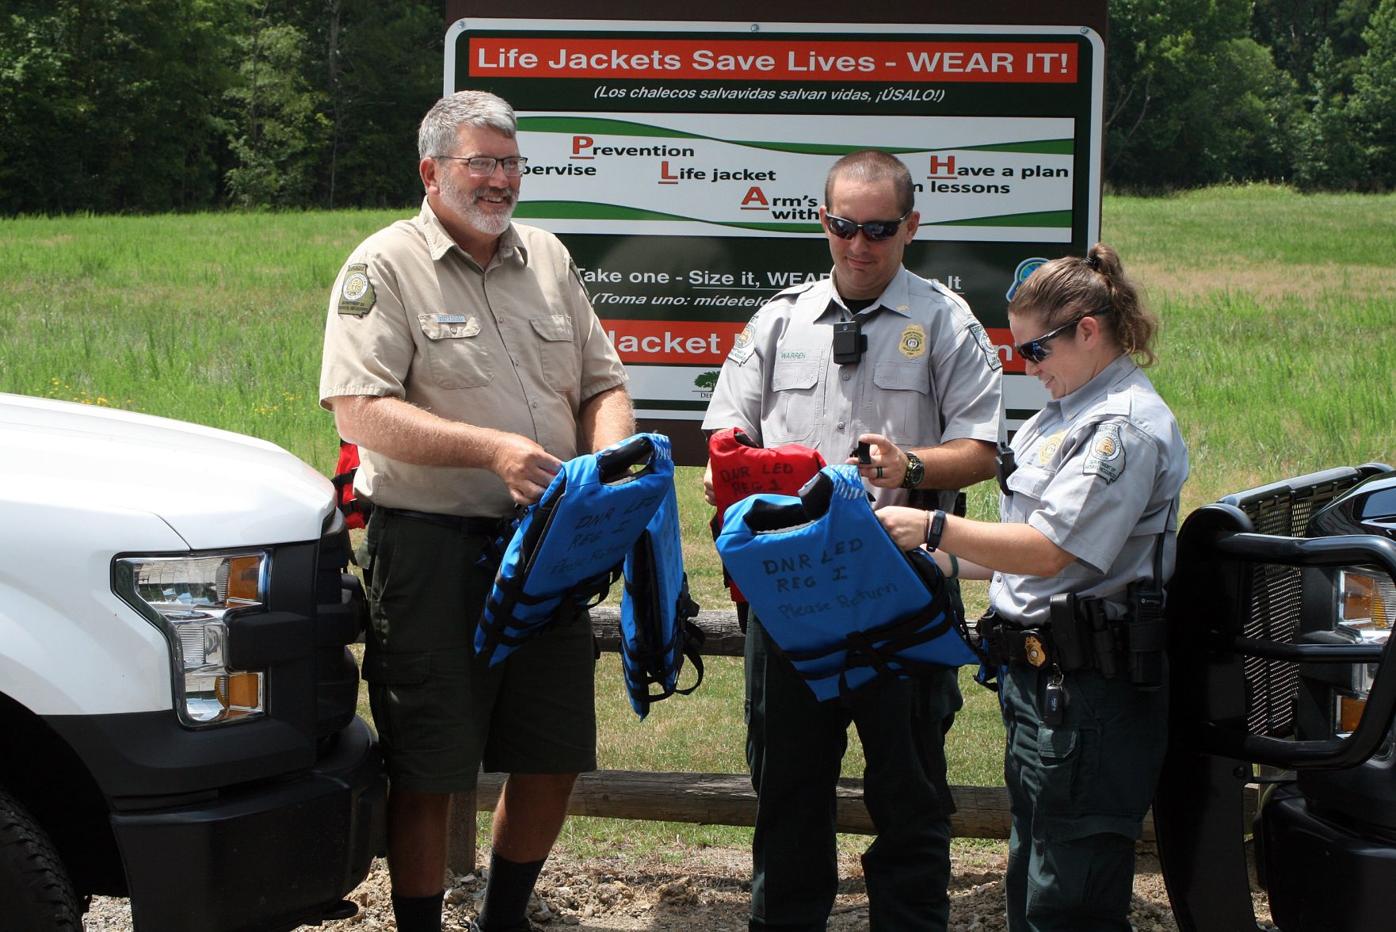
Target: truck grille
column 1276, row 602
column 339, row 620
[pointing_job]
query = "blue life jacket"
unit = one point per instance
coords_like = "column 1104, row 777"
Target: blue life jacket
column 655, row 631
column 569, row 545
column 836, row 595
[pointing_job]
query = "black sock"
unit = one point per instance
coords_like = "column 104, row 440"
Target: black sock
column 507, row 893
column 418, row 913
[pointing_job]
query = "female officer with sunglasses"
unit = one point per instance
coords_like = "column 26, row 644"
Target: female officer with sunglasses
column 1089, row 515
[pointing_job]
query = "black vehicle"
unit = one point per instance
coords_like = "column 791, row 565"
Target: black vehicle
column 1279, row 616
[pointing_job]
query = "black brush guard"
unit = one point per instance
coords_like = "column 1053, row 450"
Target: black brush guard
column 1234, row 613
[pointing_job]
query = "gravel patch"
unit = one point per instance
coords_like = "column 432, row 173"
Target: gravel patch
column 698, row 889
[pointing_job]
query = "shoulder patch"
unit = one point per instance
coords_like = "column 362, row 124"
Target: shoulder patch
column 1106, row 455
column 991, row 355
column 356, row 295
column 743, row 345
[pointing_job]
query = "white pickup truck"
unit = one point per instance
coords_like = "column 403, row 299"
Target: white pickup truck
column 177, row 702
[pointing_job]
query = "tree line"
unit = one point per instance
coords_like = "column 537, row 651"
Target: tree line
column 159, row 105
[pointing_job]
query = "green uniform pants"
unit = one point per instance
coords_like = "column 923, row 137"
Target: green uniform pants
column 795, row 745
column 1078, row 791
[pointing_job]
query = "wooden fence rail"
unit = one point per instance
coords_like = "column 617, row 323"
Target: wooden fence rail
column 708, row 798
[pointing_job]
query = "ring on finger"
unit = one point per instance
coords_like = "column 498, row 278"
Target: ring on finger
column 878, row 474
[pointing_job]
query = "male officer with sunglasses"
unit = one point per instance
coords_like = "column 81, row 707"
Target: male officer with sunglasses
column 879, row 355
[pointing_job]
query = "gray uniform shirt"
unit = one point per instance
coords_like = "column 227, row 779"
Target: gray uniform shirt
column 1099, row 471
column 930, row 374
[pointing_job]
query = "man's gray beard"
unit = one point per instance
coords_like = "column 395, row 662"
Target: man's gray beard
column 491, row 224
column 486, row 222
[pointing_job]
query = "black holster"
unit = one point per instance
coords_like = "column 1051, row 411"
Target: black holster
column 1085, row 638
column 1148, row 637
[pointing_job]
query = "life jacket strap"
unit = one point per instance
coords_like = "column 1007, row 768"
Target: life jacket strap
column 647, row 657
column 884, row 647
column 584, row 596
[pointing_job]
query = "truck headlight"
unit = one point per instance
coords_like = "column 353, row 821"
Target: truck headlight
column 1365, row 605
column 189, row 598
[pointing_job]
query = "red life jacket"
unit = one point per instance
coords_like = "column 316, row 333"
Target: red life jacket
column 355, row 510
column 741, row 468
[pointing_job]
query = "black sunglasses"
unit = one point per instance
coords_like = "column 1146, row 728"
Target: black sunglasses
column 1035, row 351
column 874, row 230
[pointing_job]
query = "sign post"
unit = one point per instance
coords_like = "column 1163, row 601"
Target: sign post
column 683, row 164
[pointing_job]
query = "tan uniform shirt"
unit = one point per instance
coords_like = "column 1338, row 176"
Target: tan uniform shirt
column 515, row 347
column 929, row 375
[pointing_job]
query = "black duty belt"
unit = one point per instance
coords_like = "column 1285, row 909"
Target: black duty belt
column 466, row 524
column 1081, row 637
column 1006, row 644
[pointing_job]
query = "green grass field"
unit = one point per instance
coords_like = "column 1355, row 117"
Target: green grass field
column 1279, row 335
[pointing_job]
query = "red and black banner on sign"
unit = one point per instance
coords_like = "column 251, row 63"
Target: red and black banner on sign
column 699, row 60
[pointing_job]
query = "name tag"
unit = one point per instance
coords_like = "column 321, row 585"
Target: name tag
column 450, row 318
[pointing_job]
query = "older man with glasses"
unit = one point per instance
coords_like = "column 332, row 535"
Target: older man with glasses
column 880, row 356
column 462, row 355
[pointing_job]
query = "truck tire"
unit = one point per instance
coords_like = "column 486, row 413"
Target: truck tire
column 34, row 886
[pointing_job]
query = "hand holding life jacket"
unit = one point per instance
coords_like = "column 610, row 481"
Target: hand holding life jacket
column 837, row 597
column 655, row 631
column 741, row 468
column 569, row 546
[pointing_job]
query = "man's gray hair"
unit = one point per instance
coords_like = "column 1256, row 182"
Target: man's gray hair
column 440, row 129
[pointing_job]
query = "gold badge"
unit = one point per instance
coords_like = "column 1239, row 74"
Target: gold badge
column 913, row 341
column 1049, row 448
column 1034, row 651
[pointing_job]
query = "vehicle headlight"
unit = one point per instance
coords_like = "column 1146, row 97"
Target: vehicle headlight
column 1365, row 606
column 189, row 598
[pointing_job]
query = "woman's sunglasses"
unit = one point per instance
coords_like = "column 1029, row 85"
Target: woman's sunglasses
column 1035, row 351
column 874, row 230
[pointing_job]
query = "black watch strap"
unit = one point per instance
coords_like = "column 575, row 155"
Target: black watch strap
column 915, row 471
column 934, row 529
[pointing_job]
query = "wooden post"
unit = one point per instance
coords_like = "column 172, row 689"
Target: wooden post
column 460, row 837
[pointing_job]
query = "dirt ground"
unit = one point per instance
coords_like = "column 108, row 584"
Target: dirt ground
column 706, row 889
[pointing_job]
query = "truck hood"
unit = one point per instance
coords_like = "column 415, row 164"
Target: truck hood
column 214, row 488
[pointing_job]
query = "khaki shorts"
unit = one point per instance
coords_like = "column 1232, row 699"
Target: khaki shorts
column 441, row 713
